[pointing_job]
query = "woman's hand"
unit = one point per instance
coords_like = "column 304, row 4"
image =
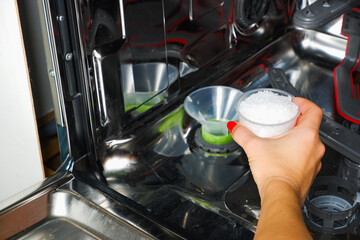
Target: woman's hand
column 284, row 169
column 292, row 159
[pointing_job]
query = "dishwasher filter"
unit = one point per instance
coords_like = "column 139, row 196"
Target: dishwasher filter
column 331, row 206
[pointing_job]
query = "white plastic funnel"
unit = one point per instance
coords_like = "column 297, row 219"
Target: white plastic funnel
column 213, row 107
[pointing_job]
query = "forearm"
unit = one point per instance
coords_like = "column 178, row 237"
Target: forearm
column 281, row 215
column 290, row 162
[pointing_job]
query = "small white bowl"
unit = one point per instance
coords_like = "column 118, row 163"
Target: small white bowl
column 263, row 129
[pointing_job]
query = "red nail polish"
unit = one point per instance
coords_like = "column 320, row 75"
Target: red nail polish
column 230, row 125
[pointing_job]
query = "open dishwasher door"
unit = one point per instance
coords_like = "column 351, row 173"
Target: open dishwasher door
column 66, row 206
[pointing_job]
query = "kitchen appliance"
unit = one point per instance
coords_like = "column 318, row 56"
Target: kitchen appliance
column 142, row 157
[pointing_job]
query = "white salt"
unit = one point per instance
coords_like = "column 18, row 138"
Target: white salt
column 265, row 108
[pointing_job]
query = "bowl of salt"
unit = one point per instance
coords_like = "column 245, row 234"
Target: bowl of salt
column 268, row 112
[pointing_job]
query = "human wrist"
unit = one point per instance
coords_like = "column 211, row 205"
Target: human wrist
column 281, row 206
column 276, row 189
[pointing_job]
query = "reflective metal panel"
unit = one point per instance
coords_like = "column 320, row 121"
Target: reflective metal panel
column 162, row 157
column 72, row 209
column 184, row 36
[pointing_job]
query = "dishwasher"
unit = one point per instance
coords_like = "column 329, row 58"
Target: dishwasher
column 135, row 164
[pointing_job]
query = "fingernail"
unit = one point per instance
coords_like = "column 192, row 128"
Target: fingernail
column 230, row 125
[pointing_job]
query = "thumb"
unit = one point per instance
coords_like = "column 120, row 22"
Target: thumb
column 242, row 135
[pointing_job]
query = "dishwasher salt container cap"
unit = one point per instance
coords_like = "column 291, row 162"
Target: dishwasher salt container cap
column 268, row 112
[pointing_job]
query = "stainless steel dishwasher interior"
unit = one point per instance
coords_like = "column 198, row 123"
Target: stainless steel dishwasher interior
column 137, row 168
column 308, row 58
column 166, row 162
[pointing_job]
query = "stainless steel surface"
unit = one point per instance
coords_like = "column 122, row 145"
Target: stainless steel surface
column 68, row 208
column 191, row 11
column 86, row 89
column 72, row 217
column 59, row 229
column 100, row 88
column 151, row 156
column 122, row 18
column 164, row 158
column 59, row 106
column 307, row 57
column 100, row 27
column 185, row 34
column 146, row 83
